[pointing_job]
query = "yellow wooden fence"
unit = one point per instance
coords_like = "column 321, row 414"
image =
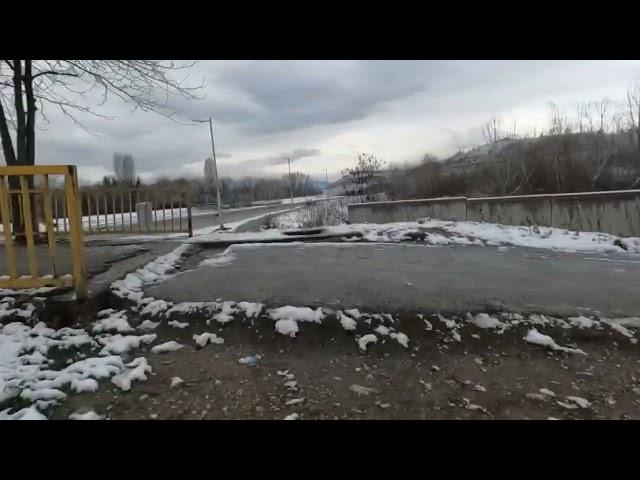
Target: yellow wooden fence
column 25, row 195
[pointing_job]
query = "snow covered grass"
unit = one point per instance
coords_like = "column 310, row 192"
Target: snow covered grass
column 441, row 232
column 333, row 212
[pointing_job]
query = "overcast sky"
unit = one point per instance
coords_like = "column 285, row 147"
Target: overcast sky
column 323, row 113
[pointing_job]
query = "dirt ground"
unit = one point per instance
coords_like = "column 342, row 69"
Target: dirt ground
column 484, row 376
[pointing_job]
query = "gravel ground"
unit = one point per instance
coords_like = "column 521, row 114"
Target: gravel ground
column 483, row 376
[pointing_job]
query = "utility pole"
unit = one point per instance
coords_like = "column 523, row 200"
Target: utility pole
column 290, row 179
column 215, row 169
column 326, row 179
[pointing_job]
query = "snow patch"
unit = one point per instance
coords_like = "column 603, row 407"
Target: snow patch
column 346, row 321
column 171, row 346
column 206, row 337
column 365, row 340
column 537, row 338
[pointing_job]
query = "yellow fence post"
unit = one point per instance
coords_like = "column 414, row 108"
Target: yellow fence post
column 5, row 200
column 75, row 228
column 28, row 227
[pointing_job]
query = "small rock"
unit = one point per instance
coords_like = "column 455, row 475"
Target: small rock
column 536, row 396
column 360, row 390
column 175, row 381
column 383, row 405
column 547, row 392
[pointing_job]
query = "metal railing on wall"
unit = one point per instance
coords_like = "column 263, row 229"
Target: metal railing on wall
column 133, row 210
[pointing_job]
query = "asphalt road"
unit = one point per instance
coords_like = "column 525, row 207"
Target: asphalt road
column 405, row 277
column 236, row 215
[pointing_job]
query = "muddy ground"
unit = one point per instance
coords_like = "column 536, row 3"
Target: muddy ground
column 484, row 376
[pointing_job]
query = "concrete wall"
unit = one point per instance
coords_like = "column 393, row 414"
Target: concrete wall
column 611, row 212
column 517, row 210
column 454, row 208
column 616, row 212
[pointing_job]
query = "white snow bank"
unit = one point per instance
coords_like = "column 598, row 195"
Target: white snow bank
column 287, row 327
column 365, row 340
column 300, row 314
column 29, row 413
column 401, row 338
column 537, row 338
column 171, row 346
column 90, row 415
column 477, row 233
column 346, row 321
column 123, row 343
column 251, row 310
column 221, row 260
column 381, row 330
column 226, row 313
column 153, row 272
column 483, row 320
column 188, row 308
column 114, row 321
column 148, row 325
column 206, row 337
column 620, row 325
column 177, row 324
column 135, row 371
column 155, row 307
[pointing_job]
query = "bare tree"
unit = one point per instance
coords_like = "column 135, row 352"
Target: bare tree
column 601, row 113
column 633, row 112
column 583, row 115
column 491, row 130
column 30, row 86
column 618, row 122
column 361, row 175
column 557, row 120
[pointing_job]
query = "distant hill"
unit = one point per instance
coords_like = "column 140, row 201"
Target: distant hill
column 569, row 162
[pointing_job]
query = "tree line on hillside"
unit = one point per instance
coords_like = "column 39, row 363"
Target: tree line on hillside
column 597, row 149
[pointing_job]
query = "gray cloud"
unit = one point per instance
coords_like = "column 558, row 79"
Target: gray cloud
column 397, row 109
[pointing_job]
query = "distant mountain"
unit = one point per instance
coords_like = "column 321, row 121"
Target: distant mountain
column 320, row 184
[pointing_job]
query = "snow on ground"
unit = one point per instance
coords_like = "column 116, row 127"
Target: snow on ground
column 537, row 338
column 365, row 340
column 27, row 371
column 171, row 346
column 287, row 327
column 90, row 415
column 443, row 232
column 112, row 321
column 477, row 233
column 153, row 272
column 206, row 337
column 117, row 344
column 346, row 321
column 135, row 371
column 287, row 318
column 220, row 260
